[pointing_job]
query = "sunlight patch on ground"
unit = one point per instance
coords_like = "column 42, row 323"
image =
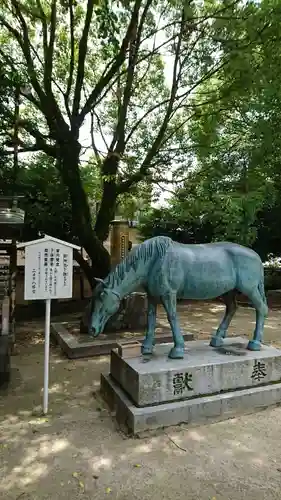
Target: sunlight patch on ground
column 57, row 388
column 268, row 326
column 101, row 463
column 196, row 436
column 24, row 476
column 32, row 467
column 258, row 461
column 144, row 448
column 216, row 309
column 12, row 430
column 47, row 448
column 240, row 446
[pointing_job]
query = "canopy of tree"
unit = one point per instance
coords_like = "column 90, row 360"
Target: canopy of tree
column 158, row 86
column 233, row 190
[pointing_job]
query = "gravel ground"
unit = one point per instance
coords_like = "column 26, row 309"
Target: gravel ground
column 78, row 453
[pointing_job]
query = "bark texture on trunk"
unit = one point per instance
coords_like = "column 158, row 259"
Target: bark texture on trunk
column 81, row 215
column 108, row 203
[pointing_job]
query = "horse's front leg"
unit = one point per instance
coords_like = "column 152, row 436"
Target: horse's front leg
column 170, row 305
column 148, row 343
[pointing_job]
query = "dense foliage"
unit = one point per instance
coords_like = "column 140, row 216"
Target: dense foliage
column 162, row 91
column 233, row 190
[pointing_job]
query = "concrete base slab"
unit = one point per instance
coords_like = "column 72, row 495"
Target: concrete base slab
column 195, row 411
column 203, row 371
column 82, row 346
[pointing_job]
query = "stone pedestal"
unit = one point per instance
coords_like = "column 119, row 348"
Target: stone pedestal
column 207, row 384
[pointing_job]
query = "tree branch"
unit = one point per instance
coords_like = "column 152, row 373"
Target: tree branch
column 107, row 77
column 201, row 80
column 124, row 186
column 158, row 30
column 111, row 162
column 25, row 45
column 49, row 105
column 27, row 149
column 140, row 60
column 175, row 130
column 48, row 70
column 180, row 97
column 100, row 130
column 134, row 45
column 39, row 137
column 81, row 61
column 29, row 96
column 149, row 58
column 44, row 28
column 71, row 62
column 92, row 137
column 157, row 105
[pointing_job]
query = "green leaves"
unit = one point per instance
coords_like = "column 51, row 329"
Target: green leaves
column 168, row 86
column 235, row 136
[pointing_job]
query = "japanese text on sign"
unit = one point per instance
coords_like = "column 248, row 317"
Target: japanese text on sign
column 33, row 285
column 122, row 246
column 65, row 268
column 39, row 268
column 46, row 265
column 48, row 271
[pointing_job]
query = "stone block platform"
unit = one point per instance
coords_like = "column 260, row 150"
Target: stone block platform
column 207, row 385
column 83, row 346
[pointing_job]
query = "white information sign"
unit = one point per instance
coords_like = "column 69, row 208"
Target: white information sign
column 48, row 275
column 48, row 271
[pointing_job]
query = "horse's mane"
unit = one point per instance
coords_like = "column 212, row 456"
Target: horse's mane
column 140, row 255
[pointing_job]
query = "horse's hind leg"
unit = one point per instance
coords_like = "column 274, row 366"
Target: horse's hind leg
column 231, row 306
column 261, row 313
column 147, row 345
column 170, row 304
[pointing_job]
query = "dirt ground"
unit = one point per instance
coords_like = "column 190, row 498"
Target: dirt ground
column 78, row 453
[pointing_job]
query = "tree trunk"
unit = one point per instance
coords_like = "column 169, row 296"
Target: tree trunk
column 81, row 215
column 108, row 203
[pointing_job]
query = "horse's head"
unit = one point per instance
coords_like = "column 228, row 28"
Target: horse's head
column 104, row 304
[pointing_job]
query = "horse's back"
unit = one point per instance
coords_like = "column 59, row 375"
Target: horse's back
column 216, row 251
column 216, row 247
column 206, row 270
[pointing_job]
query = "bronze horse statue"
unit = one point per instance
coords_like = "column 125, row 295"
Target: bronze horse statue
column 169, row 271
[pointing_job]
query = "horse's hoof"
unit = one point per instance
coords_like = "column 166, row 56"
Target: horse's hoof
column 176, row 353
column 254, row 345
column 216, row 342
column 146, row 349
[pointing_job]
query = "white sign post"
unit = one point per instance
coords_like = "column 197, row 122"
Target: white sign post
column 48, row 275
